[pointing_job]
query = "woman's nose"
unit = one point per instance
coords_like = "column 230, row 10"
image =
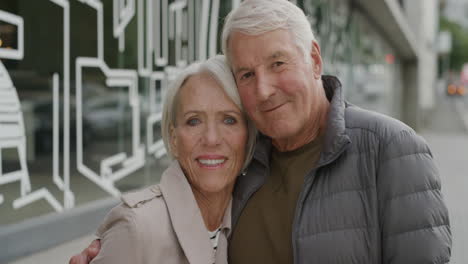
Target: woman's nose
column 212, row 135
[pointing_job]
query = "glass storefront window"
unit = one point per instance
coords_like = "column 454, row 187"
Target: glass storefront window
column 84, row 96
column 81, row 84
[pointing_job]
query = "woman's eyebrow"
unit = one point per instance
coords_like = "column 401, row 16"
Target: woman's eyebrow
column 189, row 112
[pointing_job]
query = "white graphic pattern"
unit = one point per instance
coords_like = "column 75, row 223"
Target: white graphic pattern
column 192, row 27
column 62, row 184
column 179, row 21
column 106, row 177
column 11, row 118
column 124, row 11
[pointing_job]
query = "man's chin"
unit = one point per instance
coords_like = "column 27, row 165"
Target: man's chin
column 279, row 133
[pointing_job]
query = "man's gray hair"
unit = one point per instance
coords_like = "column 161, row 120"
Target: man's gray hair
column 218, row 68
column 255, row 17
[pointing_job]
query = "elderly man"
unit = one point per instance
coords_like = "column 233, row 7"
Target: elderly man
column 330, row 182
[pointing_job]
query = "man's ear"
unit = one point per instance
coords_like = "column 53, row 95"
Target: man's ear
column 173, row 140
column 316, row 60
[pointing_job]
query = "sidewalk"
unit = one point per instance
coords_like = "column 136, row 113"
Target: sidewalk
column 451, row 156
column 447, row 135
column 59, row 254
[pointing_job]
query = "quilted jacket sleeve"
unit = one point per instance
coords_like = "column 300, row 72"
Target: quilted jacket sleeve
column 413, row 216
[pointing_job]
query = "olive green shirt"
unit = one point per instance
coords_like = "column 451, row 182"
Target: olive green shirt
column 263, row 232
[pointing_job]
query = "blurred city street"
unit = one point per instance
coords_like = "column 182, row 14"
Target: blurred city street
column 447, row 135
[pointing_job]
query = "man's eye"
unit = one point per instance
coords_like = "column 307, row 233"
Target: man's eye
column 193, row 121
column 246, row 75
column 230, row 121
column 277, row 64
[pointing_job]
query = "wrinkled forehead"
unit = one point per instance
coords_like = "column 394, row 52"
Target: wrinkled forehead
column 189, row 87
column 247, row 48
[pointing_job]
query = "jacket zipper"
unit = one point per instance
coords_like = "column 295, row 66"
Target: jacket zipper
column 300, row 202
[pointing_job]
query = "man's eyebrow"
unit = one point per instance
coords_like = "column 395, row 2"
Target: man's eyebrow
column 276, row 55
column 240, row 70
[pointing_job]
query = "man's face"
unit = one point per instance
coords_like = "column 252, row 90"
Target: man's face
column 280, row 90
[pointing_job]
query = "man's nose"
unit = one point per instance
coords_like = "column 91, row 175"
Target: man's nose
column 265, row 89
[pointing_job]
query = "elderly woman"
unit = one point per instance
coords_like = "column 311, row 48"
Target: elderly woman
column 187, row 217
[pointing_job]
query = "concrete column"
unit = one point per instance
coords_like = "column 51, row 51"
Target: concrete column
column 422, row 17
column 410, row 114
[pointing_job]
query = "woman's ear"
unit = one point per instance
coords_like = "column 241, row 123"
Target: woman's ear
column 316, row 60
column 173, row 136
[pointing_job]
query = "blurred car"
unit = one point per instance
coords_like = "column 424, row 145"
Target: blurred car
column 107, row 115
column 43, row 127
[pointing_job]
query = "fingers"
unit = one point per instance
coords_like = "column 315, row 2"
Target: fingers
column 93, row 249
column 87, row 254
column 78, row 259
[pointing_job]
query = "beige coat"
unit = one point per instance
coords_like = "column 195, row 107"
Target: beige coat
column 160, row 224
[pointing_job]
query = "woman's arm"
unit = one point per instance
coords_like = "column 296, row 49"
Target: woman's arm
column 120, row 241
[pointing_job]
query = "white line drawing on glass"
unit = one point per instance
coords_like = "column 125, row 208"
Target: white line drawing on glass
column 157, row 44
column 18, row 21
column 178, row 21
column 158, row 83
column 183, row 22
column 124, row 11
column 177, row 17
column 12, row 131
column 115, row 78
column 191, row 26
column 204, row 39
column 161, row 40
column 145, row 51
column 62, row 184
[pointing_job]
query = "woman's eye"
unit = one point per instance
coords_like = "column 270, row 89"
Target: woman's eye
column 230, row 121
column 193, row 121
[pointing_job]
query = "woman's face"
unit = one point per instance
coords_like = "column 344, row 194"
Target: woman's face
column 210, row 135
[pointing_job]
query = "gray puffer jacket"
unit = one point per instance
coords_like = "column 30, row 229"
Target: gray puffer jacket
column 374, row 196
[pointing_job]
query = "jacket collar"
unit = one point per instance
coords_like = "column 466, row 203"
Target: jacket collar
column 186, row 217
column 335, row 139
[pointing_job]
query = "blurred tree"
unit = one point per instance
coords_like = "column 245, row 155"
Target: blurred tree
column 459, row 53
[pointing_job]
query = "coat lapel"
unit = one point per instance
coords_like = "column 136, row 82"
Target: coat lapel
column 186, row 216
